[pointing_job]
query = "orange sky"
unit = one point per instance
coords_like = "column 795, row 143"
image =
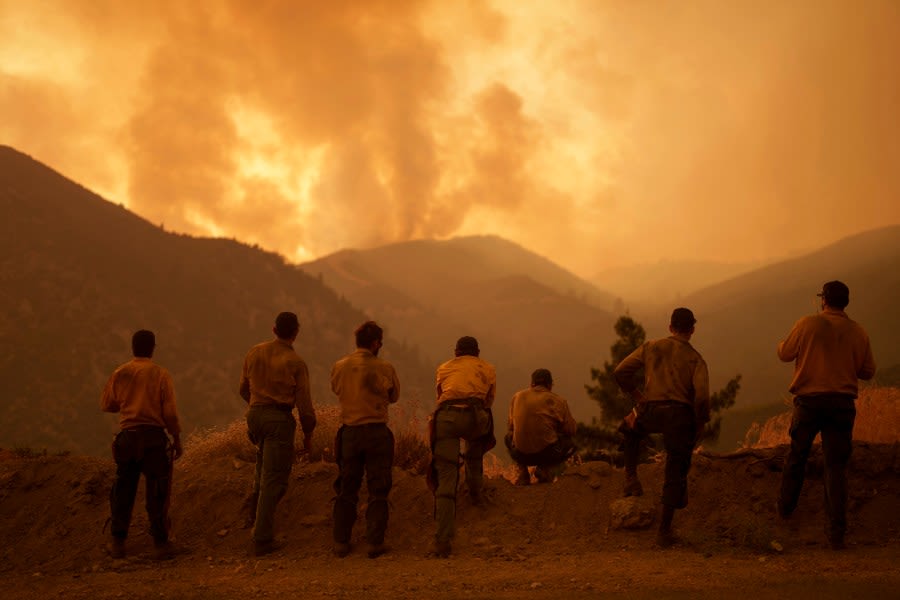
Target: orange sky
column 597, row 133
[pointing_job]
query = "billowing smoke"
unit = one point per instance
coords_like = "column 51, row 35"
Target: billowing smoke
column 596, row 133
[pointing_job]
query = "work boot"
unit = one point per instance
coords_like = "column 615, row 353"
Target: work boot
column 523, row 477
column 267, row 547
column 248, row 510
column 440, row 550
column 666, row 538
column 376, row 550
column 162, row 551
column 543, row 475
column 633, row 486
column 341, row 549
column 116, row 548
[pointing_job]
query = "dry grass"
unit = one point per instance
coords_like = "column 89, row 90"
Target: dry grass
column 494, row 467
column 205, row 446
column 28, row 452
column 877, row 420
column 411, row 450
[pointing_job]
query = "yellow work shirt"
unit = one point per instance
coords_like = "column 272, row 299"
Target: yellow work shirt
column 274, row 375
column 466, row 377
column 832, row 352
column 365, row 385
column 142, row 393
column 537, row 417
column 673, row 370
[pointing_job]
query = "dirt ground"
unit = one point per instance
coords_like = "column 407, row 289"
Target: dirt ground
column 542, row 541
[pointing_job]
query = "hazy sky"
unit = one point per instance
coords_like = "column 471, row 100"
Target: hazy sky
column 597, row 133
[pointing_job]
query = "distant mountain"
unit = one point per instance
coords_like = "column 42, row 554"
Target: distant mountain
column 665, row 282
column 741, row 321
column 526, row 311
column 78, row 275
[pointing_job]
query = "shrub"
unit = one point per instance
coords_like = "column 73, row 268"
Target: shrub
column 27, row 452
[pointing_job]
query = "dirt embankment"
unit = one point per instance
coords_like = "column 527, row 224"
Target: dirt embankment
column 877, row 421
column 543, row 540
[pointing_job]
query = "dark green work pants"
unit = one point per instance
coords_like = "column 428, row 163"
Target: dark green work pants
column 471, row 424
column 272, row 431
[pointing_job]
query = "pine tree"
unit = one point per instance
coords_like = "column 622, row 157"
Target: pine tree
column 613, row 403
column 719, row 402
column 601, row 435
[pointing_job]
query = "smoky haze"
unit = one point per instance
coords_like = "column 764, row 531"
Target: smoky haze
column 598, row 134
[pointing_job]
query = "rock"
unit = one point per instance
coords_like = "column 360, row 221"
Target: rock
column 481, row 541
column 700, row 464
column 222, row 532
column 758, row 470
column 632, row 513
column 594, row 472
column 875, row 460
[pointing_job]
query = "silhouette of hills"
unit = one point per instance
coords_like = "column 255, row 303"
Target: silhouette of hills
column 648, row 286
column 79, row 274
column 526, row 311
column 741, row 321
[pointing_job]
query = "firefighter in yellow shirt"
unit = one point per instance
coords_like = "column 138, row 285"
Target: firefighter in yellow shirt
column 365, row 385
column 830, row 352
column 141, row 392
column 275, row 381
column 466, row 386
column 675, row 403
column 540, row 430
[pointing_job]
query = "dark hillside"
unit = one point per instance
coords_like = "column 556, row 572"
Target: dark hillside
column 525, row 311
column 78, row 275
column 741, row 321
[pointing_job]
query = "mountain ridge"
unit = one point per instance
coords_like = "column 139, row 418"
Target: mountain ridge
column 526, row 311
column 80, row 274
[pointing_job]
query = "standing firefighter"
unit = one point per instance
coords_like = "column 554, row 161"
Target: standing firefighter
column 466, row 386
column 274, row 381
column 143, row 395
column 675, row 403
column 365, row 385
column 831, row 353
column 540, row 430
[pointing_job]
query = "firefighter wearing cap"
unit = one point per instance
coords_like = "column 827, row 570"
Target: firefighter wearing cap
column 830, row 352
column 675, row 403
column 466, row 386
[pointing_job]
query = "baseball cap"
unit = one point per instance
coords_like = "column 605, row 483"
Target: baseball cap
column 682, row 319
column 836, row 293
